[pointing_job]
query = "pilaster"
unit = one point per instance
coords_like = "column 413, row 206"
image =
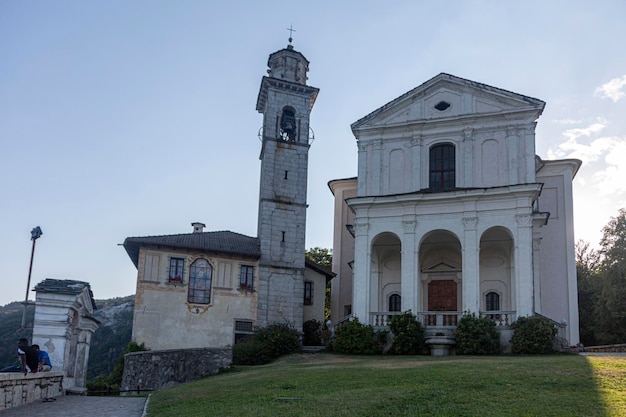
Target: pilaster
column 362, row 266
column 409, row 280
column 471, row 272
column 523, row 265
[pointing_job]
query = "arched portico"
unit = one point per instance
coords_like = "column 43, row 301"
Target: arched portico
column 385, row 270
column 497, row 267
column 440, row 277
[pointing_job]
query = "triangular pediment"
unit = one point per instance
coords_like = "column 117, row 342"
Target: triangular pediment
column 442, row 265
column 444, row 97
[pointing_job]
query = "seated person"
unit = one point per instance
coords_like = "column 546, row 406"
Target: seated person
column 29, row 357
column 44, row 360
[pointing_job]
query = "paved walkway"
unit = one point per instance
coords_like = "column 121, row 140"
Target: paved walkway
column 81, row 406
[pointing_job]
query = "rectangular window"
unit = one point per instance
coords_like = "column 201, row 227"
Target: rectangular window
column 243, row 330
column 308, row 293
column 177, row 266
column 442, row 167
column 246, row 279
column 151, row 268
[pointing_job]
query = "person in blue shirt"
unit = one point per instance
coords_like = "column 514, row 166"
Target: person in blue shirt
column 44, row 360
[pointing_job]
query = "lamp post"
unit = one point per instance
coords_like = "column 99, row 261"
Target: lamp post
column 34, row 235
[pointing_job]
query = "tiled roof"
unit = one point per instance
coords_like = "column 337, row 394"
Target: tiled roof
column 225, row 242
column 319, row 268
column 64, row 286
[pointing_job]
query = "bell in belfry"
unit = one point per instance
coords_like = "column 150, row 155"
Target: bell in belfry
column 288, row 126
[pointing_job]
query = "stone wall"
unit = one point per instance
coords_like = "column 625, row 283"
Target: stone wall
column 17, row 388
column 607, row 348
column 157, row 369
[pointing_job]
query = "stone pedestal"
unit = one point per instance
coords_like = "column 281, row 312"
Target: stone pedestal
column 440, row 346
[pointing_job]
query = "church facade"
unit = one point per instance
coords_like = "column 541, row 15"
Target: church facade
column 209, row 289
column 452, row 212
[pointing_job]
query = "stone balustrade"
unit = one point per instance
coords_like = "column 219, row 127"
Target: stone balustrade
column 443, row 318
column 18, row 389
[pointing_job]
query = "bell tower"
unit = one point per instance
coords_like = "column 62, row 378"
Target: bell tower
column 285, row 100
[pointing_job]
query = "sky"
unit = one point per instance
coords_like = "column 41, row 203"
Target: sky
column 137, row 118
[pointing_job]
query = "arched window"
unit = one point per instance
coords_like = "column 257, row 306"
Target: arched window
column 442, row 167
column 200, row 274
column 395, row 302
column 492, row 301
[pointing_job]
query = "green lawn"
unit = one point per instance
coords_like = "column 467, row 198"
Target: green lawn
column 337, row 385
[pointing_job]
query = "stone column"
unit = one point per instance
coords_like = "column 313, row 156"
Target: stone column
column 536, row 270
column 409, row 280
column 471, row 270
column 524, row 265
column 362, row 265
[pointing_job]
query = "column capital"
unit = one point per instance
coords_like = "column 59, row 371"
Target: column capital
column 361, row 226
column 470, row 223
column 524, row 220
column 468, row 132
column 409, row 226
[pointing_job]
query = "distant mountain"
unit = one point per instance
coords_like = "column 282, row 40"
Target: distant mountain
column 107, row 343
column 110, row 340
column 10, row 331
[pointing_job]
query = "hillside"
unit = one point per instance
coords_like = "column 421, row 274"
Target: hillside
column 107, row 343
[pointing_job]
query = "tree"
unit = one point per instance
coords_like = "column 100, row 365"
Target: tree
column 321, row 256
column 587, row 261
column 602, row 285
column 611, row 308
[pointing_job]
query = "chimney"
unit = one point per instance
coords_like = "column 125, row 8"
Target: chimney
column 198, row 227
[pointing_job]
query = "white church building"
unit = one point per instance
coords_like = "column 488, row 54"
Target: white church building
column 452, row 211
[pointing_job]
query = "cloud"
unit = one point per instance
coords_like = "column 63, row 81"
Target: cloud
column 614, row 89
column 572, row 148
column 567, row 121
column 605, row 154
column 610, row 181
column 573, row 134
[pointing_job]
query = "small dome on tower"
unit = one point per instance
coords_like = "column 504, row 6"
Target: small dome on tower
column 289, row 65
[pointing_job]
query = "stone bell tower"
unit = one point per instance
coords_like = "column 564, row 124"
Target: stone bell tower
column 285, row 100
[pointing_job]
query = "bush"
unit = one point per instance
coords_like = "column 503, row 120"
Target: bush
column 251, row 352
column 266, row 344
column 354, row 338
column 533, row 335
column 408, row 334
column 476, row 336
column 312, row 330
column 279, row 338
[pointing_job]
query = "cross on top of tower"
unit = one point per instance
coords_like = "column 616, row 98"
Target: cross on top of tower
column 291, row 30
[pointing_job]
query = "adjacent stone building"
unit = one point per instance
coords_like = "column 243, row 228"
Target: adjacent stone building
column 209, row 289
